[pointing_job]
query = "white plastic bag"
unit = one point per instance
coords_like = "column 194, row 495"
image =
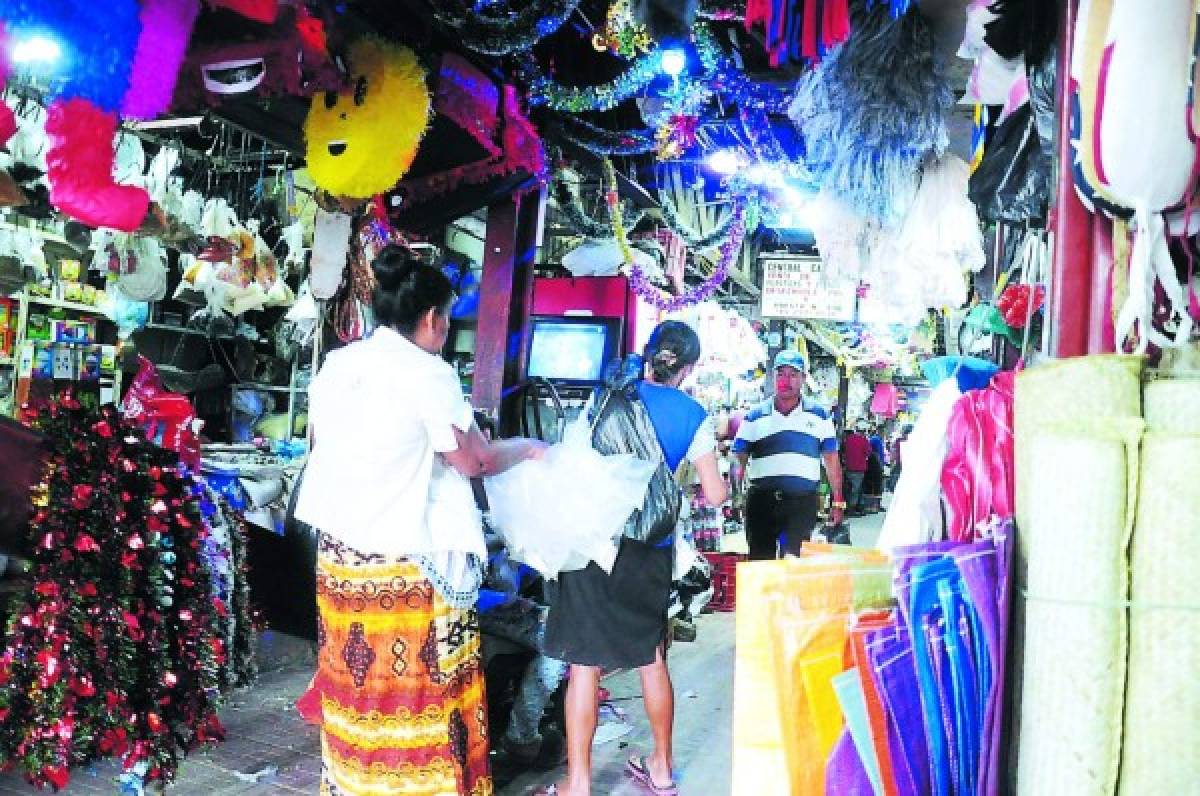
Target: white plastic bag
column 559, row 512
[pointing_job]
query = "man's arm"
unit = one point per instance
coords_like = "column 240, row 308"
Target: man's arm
column 833, row 469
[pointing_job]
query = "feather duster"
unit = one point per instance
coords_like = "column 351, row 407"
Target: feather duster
column 166, row 29
column 872, row 111
column 79, row 168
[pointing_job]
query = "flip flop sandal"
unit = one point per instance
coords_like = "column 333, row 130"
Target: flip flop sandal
column 636, row 767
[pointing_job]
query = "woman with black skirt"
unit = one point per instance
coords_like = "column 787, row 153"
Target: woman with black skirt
column 605, row 621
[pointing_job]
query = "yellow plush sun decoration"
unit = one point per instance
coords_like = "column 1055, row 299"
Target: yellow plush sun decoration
column 362, row 141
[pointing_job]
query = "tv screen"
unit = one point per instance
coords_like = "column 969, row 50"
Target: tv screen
column 572, row 349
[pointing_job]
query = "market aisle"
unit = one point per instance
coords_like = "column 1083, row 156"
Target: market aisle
column 268, row 740
column 703, row 675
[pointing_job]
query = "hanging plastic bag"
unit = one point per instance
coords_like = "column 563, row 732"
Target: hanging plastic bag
column 1012, row 182
column 168, row 419
column 559, row 512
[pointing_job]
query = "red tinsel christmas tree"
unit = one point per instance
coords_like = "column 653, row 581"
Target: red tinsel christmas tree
column 115, row 651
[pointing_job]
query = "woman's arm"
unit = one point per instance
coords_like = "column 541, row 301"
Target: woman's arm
column 711, row 483
column 476, row 456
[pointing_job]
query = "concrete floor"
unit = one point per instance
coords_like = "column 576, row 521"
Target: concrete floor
column 269, row 750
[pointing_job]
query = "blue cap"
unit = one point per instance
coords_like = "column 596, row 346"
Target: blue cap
column 791, row 358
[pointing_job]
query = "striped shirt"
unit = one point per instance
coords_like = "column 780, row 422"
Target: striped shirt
column 785, row 450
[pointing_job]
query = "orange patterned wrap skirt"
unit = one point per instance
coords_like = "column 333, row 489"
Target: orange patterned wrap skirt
column 398, row 693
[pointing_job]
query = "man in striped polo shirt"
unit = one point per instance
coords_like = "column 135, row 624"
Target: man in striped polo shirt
column 780, row 448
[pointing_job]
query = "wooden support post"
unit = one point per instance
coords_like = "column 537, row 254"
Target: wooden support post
column 1069, row 310
column 505, row 295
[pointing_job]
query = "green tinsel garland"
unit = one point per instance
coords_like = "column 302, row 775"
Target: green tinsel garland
column 599, row 141
column 516, row 32
column 714, row 237
column 544, row 90
column 581, row 222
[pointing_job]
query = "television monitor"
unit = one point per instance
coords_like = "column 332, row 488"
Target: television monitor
column 573, row 350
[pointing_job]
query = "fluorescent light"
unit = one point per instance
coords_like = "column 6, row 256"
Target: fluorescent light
column 168, row 124
column 725, row 161
column 674, row 61
column 36, row 49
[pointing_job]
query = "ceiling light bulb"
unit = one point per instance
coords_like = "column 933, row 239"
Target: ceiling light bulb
column 36, row 49
column 674, row 61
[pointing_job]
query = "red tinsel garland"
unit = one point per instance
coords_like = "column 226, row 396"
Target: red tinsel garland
column 115, row 650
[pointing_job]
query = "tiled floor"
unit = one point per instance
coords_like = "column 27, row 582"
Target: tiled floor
column 268, row 740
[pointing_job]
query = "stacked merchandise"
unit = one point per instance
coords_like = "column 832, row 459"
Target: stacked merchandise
column 858, row 693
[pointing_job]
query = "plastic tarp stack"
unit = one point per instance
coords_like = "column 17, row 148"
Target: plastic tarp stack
column 1161, row 751
column 1110, row 512
column 1077, row 424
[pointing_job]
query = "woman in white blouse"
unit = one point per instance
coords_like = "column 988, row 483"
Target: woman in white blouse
column 398, row 691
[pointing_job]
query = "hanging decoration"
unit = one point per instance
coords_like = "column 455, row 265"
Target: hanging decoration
column 599, row 141
column 491, row 33
column 287, row 57
column 730, row 81
column 872, row 112
column 622, row 35
column 801, row 32
column 520, row 150
column 666, row 20
column 544, row 90
column 572, row 210
column 114, row 652
column 641, row 285
column 714, row 237
column 363, row 141
column 124, row 63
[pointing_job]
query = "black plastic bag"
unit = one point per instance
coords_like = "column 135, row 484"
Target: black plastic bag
column 1013, row 181
column 622, row 425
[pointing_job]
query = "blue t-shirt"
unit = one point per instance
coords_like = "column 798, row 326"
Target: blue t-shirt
column 676, row 417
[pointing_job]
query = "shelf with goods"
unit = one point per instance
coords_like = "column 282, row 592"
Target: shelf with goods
column 19, row 361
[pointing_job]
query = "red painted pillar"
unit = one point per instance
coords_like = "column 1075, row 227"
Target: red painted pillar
column 1071, row 275
column 505, row 295
column 1100, row 324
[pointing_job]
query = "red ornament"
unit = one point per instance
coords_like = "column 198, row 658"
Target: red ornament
column 57, row 776
column 154, row 722
column 88, row 589
column 86, row 544
column 156, row 472
column 103, row 429
column 46, row 588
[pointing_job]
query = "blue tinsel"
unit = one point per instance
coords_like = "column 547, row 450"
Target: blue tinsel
column 873, row 111
column 97, row 42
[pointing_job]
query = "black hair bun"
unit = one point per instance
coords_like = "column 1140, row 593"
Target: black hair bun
column 393, row 266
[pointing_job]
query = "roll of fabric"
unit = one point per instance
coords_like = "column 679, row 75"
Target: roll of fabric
column 1081, row 489
column 1161, row 751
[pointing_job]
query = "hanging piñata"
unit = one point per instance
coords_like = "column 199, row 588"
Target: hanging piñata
column 361, row 142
